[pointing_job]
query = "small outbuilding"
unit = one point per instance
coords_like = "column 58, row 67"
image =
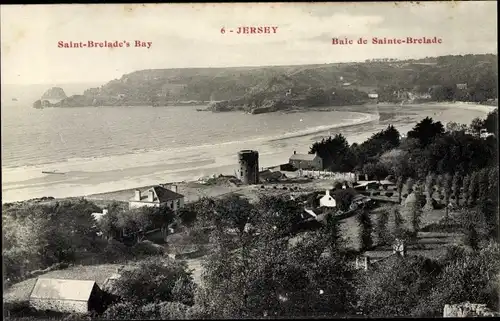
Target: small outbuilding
column 66, row 296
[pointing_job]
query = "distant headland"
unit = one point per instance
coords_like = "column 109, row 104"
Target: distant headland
column 268, row 89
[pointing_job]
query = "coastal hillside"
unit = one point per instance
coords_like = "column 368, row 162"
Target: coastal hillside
column 254, row 89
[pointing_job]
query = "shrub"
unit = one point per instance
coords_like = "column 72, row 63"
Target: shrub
column 173, row 311
column 467, row 276
column 147, row 248
column 389, row 194
column 381, row 290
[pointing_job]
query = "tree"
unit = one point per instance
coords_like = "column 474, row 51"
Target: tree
column 457, row 152
column 41, row 235
column 108, row 224
column 233, row 211
column 429, row 188
column 399, row 187
column 277, row 215
column 376, row 145
column 204, row 209
column 456, row 183
column 376, row 170
column 473, row 188
column 156, row 280
column 491, row 122
column 476, row 125
column 396, row 286
column 483, row 184
column 365, row 230
column 343, row 198
column 399, row 222
column 455, row 127
column 187, row 215
column 443, row 92
column 277, row 280
column 460, row 281
column 439, row 185
column 447, row 182
column 334, row 152
column 415, row 212
column 382, row 227
column 396, row 162
column 426, row 130
column 409, row 185
column 493, row 183
column 465, row 189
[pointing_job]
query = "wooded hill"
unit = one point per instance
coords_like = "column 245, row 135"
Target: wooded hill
column 307, row 85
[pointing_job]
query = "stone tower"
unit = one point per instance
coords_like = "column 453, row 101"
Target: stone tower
column 248, row 171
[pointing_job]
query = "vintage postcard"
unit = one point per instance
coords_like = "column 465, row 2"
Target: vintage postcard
column 250, row 160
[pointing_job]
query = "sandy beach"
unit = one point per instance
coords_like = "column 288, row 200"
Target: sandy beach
column 119, row 184
column 404, row 116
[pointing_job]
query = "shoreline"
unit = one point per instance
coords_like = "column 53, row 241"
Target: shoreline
column 401, row 117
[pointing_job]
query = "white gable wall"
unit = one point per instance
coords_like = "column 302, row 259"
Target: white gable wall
column 327, row 200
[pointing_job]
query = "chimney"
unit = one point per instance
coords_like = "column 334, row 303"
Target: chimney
column 173, row 188
column 104, row 211
column 137, row 195
column 327, row 192
column 150, row 195
column 294, row 152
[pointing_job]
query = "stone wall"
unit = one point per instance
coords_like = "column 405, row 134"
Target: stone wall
column 467, row 309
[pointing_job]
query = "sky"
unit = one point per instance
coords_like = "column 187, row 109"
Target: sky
column 189, row 35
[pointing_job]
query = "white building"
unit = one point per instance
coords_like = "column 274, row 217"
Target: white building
column 158, row 196
column 98, row 216
column 327, row 200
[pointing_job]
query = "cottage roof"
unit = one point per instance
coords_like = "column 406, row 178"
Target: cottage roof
column 60, row 289
column 160, row 195
column 303, row 157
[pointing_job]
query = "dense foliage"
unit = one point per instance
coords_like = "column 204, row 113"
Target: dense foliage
column 37, row 236
column 428, row 148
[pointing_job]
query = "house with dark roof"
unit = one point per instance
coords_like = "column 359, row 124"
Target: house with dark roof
column 157, row 196
column 306, row 161
column 67, row 296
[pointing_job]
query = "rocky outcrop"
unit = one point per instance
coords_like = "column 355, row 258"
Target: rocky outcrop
column 467, row 309
column 37, row 104
column 54, row 94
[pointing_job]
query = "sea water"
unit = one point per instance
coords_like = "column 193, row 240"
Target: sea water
column 101, row 149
